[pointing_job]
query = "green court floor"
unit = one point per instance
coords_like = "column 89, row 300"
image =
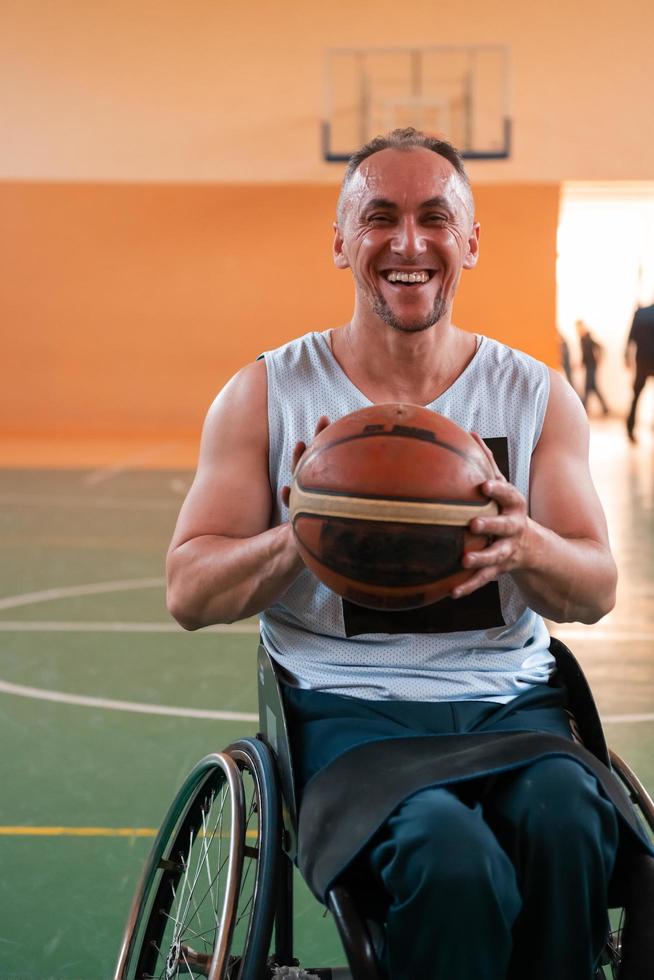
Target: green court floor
column 86, row 781
column 98, row 687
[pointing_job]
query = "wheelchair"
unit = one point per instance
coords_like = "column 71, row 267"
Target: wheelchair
column 216, row 895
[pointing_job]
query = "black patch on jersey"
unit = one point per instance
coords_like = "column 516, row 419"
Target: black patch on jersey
column 478, row 611
column 500, row 450
column 481, row 610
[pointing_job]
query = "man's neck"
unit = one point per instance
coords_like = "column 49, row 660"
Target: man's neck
column 390, row 365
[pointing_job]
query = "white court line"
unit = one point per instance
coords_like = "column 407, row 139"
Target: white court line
column 20, row 690
column 179, row 486
column 104, row 473
column 70, row 591
column 99, row 588
column 65, row 626
column 598, row 635
column 138, row 707
column 624, row 719
column 61, row 626
column 103, row 503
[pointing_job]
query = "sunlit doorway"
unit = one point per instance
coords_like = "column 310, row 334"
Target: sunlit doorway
column 605, row 270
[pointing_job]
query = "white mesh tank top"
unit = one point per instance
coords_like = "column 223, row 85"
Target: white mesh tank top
column 488, row 646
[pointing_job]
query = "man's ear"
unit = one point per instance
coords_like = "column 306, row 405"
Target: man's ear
column 472, row 254
column 340, row 259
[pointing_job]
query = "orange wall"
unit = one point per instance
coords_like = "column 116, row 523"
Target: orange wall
column 224, row 92
column 126, row 307
column 511, row 295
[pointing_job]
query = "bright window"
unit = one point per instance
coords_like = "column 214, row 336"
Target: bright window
column 605, row 269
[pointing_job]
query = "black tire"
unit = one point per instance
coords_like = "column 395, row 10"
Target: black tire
column 263, row 854
column 184, row 911
column 629, row 951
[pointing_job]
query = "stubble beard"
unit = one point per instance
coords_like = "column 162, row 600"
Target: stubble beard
column 385, row 313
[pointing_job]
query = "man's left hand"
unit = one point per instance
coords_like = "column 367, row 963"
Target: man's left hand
column 508, row 531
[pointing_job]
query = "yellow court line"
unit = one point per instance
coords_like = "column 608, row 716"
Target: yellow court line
column 77, row 832
column 92, row 832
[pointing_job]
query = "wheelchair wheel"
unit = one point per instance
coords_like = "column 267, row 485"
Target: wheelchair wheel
column 258, row 894
column 628, row 951
column 185, row 908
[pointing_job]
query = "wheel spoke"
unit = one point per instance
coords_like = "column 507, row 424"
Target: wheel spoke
column 196, row 877
column 203, row 862
column 187, row 865
column 195, row 935
column 200, row 936
column 244, row 911
column 190, row 919
column 205, row 855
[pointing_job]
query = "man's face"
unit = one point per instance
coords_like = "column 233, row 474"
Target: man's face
column 406, row 233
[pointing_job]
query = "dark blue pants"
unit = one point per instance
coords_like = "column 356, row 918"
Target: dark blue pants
column 512, row 885
column 499, row 877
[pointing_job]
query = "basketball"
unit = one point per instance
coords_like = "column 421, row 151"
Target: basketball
column 380, row 505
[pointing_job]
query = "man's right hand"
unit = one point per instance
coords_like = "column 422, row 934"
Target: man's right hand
column 298, row 453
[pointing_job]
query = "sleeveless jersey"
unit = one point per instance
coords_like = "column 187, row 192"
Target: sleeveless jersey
column 488, row 646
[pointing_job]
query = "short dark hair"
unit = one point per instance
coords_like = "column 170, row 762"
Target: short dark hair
column 403, row 139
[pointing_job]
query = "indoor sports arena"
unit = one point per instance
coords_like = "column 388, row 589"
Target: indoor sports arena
column 169, row 212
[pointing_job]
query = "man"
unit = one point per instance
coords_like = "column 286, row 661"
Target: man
column 492, row 879
column 639, row 356
column 591, row 354
column 566, row 360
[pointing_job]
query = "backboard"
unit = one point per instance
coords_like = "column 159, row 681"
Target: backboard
column 459, row 93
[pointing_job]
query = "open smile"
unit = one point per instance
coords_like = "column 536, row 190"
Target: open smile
column 407, row 277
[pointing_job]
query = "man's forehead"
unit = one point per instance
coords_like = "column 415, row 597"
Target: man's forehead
column 392, row 173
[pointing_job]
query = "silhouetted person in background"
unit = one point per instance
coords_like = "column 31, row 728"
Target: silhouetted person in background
column 566, row 363
column 591, row 353
column 640, row 352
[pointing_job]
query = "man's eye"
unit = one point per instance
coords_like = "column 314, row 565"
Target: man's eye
column 380, row 218
column 438, row 219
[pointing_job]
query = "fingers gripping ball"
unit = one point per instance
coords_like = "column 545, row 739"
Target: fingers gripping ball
column 380, row 505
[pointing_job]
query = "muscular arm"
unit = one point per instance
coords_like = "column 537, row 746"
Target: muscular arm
column 225, row 562
column 558, row 553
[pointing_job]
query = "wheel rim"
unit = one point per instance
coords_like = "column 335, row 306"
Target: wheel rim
column 200, row 914
column 248, row 884
column 259, row 833
column 184, row 912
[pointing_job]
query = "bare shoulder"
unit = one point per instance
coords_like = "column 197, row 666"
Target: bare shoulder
column 562, row 495
column 238, row 416
column 565, row 427
column 231, row 493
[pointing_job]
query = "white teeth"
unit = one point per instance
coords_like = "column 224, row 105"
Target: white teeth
column 396, row 276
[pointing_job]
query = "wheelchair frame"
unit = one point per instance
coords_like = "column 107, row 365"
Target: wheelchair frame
column 242, row 800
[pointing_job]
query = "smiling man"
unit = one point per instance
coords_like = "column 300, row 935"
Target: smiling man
column 363, row 203
column 496, row 877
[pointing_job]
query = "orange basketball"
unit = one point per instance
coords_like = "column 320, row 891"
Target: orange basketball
column 380, row 505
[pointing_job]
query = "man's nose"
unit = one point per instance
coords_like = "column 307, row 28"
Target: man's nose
column 409, row 240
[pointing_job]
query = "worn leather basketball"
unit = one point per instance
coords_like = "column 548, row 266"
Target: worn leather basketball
column 380, row 505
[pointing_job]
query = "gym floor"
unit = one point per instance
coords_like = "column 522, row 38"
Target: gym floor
column 105, row 704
